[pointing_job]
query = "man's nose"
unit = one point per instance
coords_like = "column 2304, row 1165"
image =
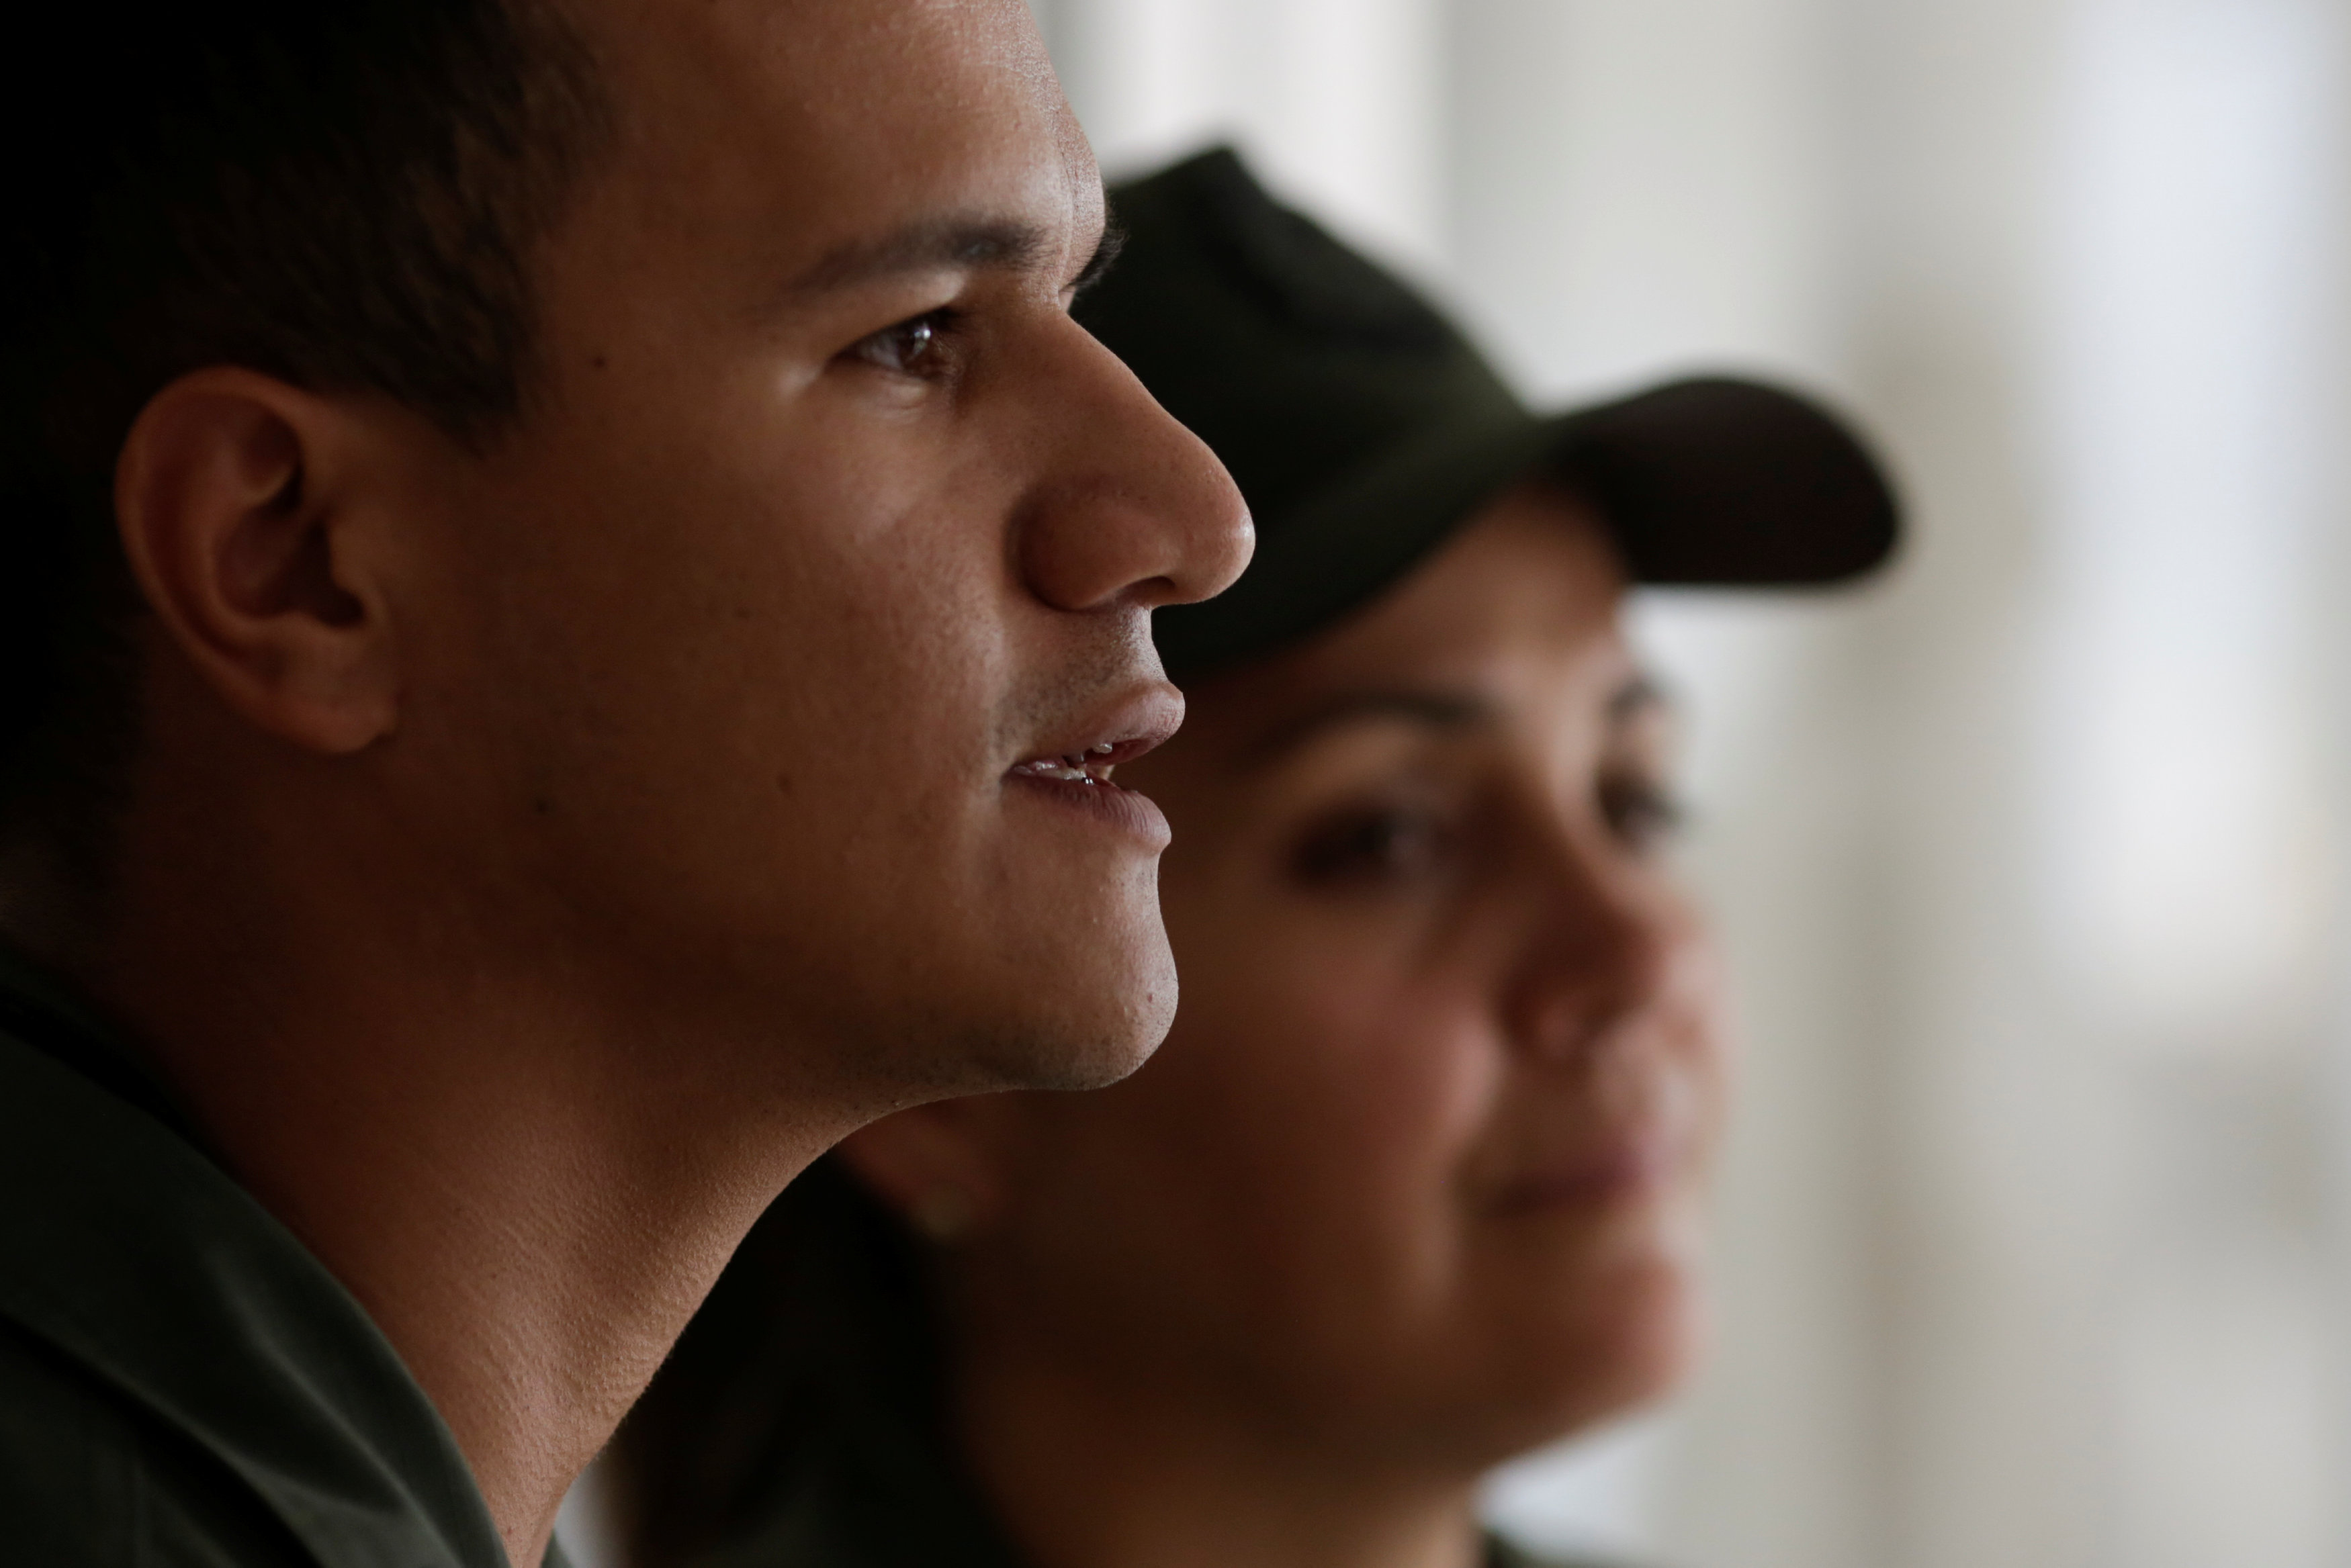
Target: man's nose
column 1139, row 512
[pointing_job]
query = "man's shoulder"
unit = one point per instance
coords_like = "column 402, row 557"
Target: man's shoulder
column 88, row 1480
column 176, row 1364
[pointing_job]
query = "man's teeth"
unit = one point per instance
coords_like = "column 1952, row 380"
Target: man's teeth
column 1080, row 768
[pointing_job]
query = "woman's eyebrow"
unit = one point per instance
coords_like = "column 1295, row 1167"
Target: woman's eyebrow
column 1432, row 710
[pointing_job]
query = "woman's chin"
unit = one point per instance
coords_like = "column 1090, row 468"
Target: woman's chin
column 1624, row 1349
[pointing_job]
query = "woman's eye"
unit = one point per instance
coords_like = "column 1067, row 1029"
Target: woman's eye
column 915, row 347
column 1642, row 814
column 1368, row 845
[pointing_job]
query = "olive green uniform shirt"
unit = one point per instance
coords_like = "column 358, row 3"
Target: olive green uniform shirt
column 182, row 1385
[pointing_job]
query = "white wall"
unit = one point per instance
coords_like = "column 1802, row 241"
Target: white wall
column 2032, row 861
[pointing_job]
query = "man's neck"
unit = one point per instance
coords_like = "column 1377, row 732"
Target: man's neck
column 519, row 1174
column 1148, row 1475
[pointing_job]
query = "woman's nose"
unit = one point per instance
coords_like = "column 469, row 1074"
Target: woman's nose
column 1609, row 945
column 1140, row 512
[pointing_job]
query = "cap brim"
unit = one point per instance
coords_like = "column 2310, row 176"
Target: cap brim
column 1732, row 484
column 1715, row 482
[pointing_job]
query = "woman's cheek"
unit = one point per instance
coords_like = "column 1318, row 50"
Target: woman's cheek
column 1707, row 1066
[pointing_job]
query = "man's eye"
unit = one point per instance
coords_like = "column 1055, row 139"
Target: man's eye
column 915, row 347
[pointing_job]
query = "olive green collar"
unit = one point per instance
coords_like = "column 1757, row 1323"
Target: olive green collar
column 129, row 1251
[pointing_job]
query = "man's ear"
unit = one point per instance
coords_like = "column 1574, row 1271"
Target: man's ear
column 938, row 1165
column 232, row 493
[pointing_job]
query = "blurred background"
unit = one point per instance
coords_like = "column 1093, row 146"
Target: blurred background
column 2036, row 1242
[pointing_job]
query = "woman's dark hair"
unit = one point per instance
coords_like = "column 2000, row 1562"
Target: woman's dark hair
column 343, row 195
column 823, row 1316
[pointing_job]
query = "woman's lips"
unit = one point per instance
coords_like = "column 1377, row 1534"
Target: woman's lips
column 1634, row 1166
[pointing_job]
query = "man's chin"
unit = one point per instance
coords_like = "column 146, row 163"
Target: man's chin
column 1096, row 1065
column 1086, row 1029
column 1070, row 993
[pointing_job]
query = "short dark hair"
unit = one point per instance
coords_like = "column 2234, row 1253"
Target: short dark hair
column 344, row 193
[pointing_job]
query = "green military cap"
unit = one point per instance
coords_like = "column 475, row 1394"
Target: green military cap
column 1364, row 428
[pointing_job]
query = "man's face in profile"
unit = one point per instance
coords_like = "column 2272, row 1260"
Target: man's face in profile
column 826, row 521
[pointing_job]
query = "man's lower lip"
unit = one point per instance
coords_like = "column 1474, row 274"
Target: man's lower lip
column 1133, row 813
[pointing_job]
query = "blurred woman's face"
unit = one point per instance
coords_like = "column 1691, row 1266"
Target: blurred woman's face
column 1419, row 1166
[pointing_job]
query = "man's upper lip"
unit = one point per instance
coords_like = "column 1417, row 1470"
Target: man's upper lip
column 1138, row 722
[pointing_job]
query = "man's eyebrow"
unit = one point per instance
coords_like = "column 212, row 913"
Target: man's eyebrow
column 996, row 243
column 1430, row 709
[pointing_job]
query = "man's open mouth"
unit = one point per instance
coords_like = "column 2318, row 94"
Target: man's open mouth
column 1087, row 767
column 1076, row 773
column 1091, row 764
